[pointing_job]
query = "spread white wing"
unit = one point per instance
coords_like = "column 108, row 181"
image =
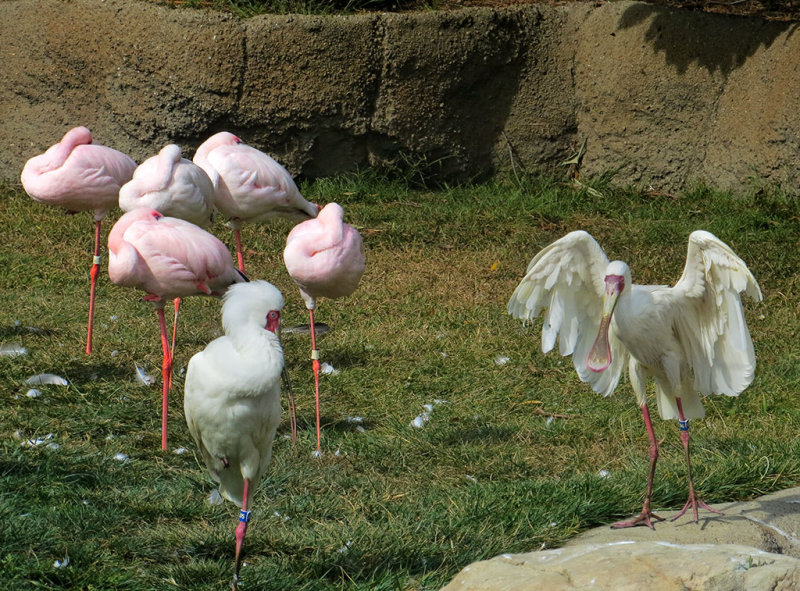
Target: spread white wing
column 566, row 279
column 709, row 319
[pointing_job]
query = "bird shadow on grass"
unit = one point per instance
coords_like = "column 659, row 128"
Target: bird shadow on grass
column 339, row 424
column 477, row 434
column 20, row 331
column 85, row 371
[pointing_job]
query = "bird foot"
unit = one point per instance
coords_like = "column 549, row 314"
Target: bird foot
column 644, row 518
column 695, row 502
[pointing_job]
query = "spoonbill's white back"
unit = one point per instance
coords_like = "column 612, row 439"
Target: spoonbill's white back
column 232, row 395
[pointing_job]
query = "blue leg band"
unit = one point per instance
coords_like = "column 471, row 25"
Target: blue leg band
column 684, row 424
column 244, row 516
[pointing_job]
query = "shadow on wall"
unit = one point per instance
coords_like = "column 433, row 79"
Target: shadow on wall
column 446, row 93
column 715, row 48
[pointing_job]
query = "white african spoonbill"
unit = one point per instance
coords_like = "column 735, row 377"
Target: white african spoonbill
column 80, row 175
column 250, row 185
column 167, row 258
column 232, row 397
column 691, row 338
column 325, row 257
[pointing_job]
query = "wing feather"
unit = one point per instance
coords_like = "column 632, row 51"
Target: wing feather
column 566, row 280
column 710, row 322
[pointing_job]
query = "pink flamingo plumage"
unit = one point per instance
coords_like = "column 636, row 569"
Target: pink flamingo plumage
column 172, row 185
column 250, row 185
column 232, row 396
column 325, row 258
column 175, row 187
column 167, row 258
column 79, row 175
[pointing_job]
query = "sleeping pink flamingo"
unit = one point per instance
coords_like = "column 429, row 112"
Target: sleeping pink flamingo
column 167, row 258
column 80, row 175
column 325, row 258
column 175, row 187
column 250, row 185
column 172, row 185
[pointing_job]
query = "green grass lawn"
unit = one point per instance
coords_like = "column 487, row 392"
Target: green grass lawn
column 389, row 506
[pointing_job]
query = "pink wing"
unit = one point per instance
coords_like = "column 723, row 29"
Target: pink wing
column 171, row 185
column 174, row 258
column 78, row 175
column 325, row 256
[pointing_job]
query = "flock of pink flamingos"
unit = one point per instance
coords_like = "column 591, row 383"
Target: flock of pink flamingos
column 232, row 387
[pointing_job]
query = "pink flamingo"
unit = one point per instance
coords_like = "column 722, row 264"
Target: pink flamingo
column 167, row 258
column 172, row 185
column 325, row 258
column 79, row 175
column 250, row 185
column 175, row 187
column 232, row 396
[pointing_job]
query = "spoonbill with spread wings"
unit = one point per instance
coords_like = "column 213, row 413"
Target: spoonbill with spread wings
column 692, row 338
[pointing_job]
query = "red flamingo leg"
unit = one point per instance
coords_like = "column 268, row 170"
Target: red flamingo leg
column 166, row 371
column 315, row 367
column 647, row 514
column 239, row 256
column 241, row 531
column 93, row 273
column 177, row 303
column 693, row 499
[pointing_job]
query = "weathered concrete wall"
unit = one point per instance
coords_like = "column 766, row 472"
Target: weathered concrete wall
column 663, row 97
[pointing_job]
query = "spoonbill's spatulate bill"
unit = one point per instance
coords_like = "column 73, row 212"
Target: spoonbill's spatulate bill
column 325, row 257
column 80, row 175
column 167, row 258
column 691, row 338
column 232, row 397
column 250, row 185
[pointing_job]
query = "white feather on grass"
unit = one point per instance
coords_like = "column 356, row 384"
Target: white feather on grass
column 44, row 379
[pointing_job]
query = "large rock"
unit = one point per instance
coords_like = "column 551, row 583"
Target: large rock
column 770, row 523
column 634, row 566
column 662, row 96
column 754, row 546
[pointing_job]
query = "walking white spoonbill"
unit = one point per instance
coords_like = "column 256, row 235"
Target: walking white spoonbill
column 325, row 257
column 691, row 338
column 80, row 175
column 232, row 398
column 250, row 185
column 167, row 258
